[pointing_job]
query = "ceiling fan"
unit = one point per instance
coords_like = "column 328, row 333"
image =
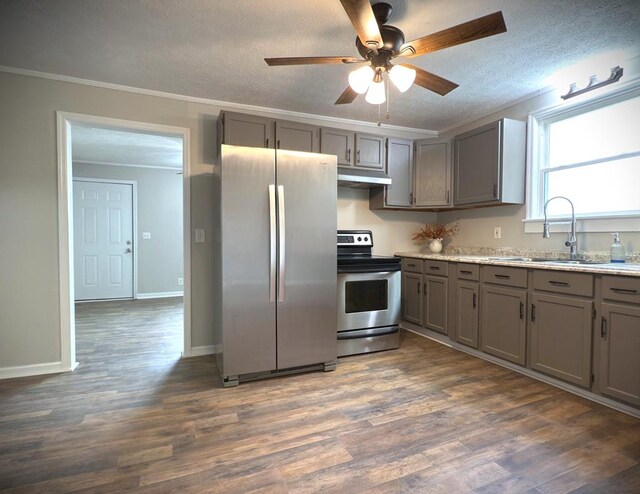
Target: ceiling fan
column 379, row 43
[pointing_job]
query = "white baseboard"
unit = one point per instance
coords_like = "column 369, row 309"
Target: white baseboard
column 159, row 295
column 197, row 351
column 33, row 370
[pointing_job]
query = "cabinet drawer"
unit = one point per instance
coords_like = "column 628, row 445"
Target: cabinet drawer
column 501, row 275
column 622, row 288
column 439, row 268
column 468, row 272
column 563, row 282
column 412, row 265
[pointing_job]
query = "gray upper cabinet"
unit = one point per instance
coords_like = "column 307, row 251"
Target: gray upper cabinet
column 239, row 129
column 489, row 164
column 339, row 143
column 370, row 151
column 400, row 169
column 296, row 136
column 432, row 182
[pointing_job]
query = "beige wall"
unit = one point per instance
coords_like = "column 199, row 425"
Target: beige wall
column 28, row 204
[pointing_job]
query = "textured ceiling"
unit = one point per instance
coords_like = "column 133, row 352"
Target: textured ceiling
column 215, row 49
column 111, row 146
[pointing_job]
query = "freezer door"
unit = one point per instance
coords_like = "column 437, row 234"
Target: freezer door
column 306, row 308
column 248, row 237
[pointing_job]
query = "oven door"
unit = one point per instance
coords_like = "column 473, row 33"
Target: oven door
column 368, row 300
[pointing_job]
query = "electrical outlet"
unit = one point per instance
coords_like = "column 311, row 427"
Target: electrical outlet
column 200, row 236
column 146, row 235
column 497, row 232
column 180, row 281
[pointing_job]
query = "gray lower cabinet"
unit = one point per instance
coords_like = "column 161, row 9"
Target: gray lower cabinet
column 412, row 297
column 619, row 335
column 296, row 136
column 489, row 164
column 467, row 297
column 240, row 129
column 432, row 176
column 435, row 291
column 339, row 143
column 503, row 322
column 561, row 330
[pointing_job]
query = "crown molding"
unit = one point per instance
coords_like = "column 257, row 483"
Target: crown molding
column 128, row 165
column 424, row 133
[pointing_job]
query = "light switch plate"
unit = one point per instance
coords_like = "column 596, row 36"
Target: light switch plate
column 146, row 235
column 200, row 236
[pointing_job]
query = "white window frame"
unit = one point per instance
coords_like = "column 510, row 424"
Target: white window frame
column 537, row 152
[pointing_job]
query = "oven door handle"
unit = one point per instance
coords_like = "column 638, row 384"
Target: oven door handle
column 380, row 268
column 365, row 333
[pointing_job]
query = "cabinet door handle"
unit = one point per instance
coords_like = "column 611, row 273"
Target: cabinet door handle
column 502, row 276
column 419, row 287
column 358, row 156
column 447, row 199
column 603, row 328
column 267, row 143
column 349, row 155
column 558, row 283
column 495, row 191
column 624, row 290
column 521, row 310
column 410, row 197
column 533, row 313
column 424, row 289
column 278, row 143
column 475, row 297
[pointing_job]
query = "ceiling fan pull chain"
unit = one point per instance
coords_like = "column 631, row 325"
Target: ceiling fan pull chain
column 388, row 115
column 379, row 123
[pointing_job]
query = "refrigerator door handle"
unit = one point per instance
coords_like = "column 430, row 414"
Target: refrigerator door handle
column 281, row 232
column 272, row 243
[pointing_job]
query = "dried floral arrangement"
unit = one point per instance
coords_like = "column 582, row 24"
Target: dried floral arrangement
column 436, row 230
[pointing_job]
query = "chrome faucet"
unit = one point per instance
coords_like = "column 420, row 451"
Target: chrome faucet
column 572, row 242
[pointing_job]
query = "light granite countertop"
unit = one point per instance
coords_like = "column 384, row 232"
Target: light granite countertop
column 501, row 258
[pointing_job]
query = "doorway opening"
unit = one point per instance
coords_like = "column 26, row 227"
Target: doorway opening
column 124, row 239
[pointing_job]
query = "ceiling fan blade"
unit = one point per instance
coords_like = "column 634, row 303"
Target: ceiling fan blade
column 431, row 81
column 308, row 60
column 364, row 22
column 479, row 28
column 347, row 96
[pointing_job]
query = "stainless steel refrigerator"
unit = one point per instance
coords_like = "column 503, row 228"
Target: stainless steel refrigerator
column 275, row 262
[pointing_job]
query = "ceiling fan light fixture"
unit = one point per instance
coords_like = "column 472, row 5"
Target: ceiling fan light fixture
column 360, row 79
column 375, row 94
column 402, row 77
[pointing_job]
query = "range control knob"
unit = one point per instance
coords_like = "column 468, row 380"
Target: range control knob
column 359, row 239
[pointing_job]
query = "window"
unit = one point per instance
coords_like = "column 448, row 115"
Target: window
column 589, row 153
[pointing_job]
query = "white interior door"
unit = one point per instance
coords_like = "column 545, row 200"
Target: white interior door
column 103, row 236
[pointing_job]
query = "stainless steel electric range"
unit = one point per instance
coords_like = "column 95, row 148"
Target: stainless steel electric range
column 368, row 296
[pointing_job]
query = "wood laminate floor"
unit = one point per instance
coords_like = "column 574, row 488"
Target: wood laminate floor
column 424, row 418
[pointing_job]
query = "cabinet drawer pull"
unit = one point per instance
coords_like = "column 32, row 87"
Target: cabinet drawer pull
column 474, row 300
column 411, row 265
column 521, row 310
column 463, row 271
column 624, row 290
column 434, row 268
column 502, row 276
column 603, row 328
column 533, row 313
column 558, row 283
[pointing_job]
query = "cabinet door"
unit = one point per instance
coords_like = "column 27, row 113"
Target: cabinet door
column 370, row 151
column 620, row 352
column 434, row 306
column 432, row 174
column 503, row 324
column 339, row 143
column 411, row 297
column 296, row 136
column 477, row 165
column 561, row 337
column 399, row 168
column 248, row 130
column 467, row 313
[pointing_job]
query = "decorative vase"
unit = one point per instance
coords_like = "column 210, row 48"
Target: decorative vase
column 435, row 245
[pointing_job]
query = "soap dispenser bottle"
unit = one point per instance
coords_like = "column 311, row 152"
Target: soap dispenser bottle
column 617, row 249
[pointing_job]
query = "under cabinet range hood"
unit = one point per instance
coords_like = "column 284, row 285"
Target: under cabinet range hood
column 360, row 178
